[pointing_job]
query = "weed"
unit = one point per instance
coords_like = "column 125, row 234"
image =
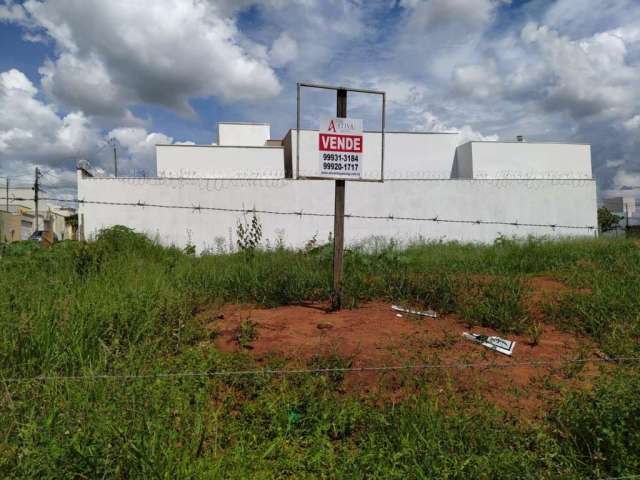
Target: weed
column 334, row 362
column 247, row 333
column 249, row 235
column 534, row 330
column 496, row 304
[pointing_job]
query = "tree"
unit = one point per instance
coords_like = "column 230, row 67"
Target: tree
column 607, row 220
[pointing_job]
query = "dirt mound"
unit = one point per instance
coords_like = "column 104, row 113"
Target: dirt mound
column 374, row 335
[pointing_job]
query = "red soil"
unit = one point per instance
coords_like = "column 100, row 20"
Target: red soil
column 373, row 335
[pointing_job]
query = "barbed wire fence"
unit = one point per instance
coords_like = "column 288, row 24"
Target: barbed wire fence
column 305, row 371
column 301, row 213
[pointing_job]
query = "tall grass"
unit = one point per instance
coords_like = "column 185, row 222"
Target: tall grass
column 125, row 305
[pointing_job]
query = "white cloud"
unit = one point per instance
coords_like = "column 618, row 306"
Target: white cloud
column 585, row 77
column 33, row 133
column 33, row 130
column 163, row 52
column 625, row 179
column 481, row 80
column 429, row 14
column 86, row 84
column 582, row 18
column 633, row 124
column 284, row 50
column 428, row 122
column 138, row 148
column 11, row 12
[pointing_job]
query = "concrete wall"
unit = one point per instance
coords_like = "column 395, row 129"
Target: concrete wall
column 212, row 161
column 524, row 160
column 570, row 202
column 407, row 155
column 243, row 134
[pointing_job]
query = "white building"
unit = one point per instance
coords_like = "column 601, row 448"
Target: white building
column 539, row 189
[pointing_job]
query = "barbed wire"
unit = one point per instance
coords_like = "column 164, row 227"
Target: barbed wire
column 301, row 213
column 299, row 371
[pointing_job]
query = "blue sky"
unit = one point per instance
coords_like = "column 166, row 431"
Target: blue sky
column 75, row 73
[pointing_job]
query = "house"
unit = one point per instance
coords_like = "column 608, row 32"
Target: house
column 17, row 215
column 435, row 187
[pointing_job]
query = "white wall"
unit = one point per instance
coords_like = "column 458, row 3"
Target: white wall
column 570, row 202
column 463, row 162
column 525, row 160
column 625, row 205
column 212, row 161
column 243, row 134
column 407, row 155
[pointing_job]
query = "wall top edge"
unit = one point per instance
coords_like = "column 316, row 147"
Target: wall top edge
column 525, row 143
column 386, row 132
column 386, row 180
column 266, row 147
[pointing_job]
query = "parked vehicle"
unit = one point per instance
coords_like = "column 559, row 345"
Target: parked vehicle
column 40, row 235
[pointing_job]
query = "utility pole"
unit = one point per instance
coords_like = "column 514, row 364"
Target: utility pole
column 36, row 188
column 115, row 157
column 338, row 218
column 7, row 194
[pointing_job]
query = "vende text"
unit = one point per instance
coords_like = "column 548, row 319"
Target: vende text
column 330, row 142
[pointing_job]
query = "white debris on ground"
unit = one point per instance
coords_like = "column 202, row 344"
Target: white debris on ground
column 493, row 343
column 427, row 313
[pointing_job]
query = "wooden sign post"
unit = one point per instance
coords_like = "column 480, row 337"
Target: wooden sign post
column 338, row 219
column 339, row 153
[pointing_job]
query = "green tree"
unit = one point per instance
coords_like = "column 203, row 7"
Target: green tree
column 607, row 220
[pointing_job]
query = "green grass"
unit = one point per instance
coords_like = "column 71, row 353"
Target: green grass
column 123, row 305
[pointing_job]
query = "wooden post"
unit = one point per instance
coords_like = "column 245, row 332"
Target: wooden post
column 338, row 219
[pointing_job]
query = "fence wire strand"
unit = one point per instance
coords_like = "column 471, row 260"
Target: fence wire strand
column 302, row 213
column 303, row 371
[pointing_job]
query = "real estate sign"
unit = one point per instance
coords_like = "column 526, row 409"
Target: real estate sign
column 341, row 148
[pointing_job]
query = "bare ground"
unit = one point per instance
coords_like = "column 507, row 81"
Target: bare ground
column 373, row 335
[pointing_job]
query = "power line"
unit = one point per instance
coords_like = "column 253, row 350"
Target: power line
column 16, row 176
column 301, row 213
column 268, row 371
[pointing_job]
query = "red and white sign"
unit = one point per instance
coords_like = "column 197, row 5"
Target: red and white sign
column 341, row 147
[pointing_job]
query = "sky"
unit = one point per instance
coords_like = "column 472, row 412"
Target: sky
column 77, row 76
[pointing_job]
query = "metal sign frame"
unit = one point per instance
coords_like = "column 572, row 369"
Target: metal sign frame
column 329, row 87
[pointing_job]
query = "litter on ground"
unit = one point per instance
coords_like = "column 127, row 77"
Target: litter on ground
column 493, row 343
column 428, row 313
